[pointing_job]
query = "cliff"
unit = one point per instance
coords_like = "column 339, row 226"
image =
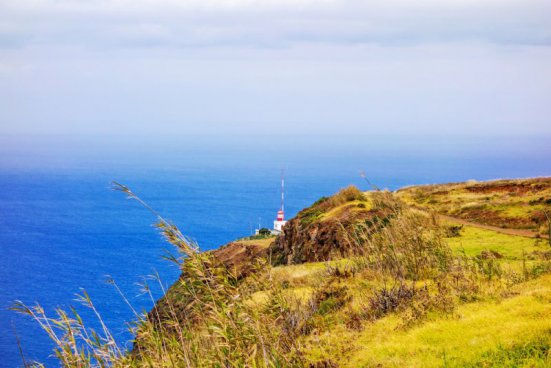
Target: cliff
column 356, row 276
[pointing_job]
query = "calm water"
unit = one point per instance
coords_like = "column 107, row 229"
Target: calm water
column 62, row 229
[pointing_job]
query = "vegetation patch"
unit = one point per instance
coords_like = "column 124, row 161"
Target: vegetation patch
column 515, row 204
column 534, row 353
column 453, row 231
column 326, row 207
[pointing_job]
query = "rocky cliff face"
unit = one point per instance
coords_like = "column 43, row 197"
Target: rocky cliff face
column 321, row 240
column 240, row 257
column 325, row 231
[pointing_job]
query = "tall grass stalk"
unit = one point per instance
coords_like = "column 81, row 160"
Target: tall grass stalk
column 206, row 322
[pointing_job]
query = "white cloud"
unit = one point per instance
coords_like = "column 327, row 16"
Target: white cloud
column 240, row 66
column 271, row 23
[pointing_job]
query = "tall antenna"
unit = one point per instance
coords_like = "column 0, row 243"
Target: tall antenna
column 282, row 190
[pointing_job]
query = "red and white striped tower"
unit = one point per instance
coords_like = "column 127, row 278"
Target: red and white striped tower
column 280, row 219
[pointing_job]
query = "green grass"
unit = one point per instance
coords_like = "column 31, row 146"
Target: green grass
column 474, row 240
column 513, row 332
column 487, row 331
column 530, row 354
column 490, row 332
column 510, row 333
column 353, row 206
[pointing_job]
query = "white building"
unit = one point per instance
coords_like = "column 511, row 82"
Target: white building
column 279, row 222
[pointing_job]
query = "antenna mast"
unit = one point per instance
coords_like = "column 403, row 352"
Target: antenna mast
column 282, row 190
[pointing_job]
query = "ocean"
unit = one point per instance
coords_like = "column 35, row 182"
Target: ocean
column 63, row 229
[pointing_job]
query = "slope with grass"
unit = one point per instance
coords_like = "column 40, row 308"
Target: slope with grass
column 512, row 332
column 504, row 322
column 512, row 204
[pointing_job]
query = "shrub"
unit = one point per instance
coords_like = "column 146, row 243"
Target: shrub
column 329, row 298
column 386, row 300
column 488, row 265
column 340, row 272
column 319, row 201
column 383, row 200
column 310, row 215
column 453, row 231
column 415, row 303
column 264, row 232
column 348, row 194
column 426, row 301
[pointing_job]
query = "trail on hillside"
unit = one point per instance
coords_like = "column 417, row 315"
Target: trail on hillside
column 518, row 232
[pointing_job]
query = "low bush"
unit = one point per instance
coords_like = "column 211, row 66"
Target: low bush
column 310, row 215
column 453, row 231
column 387, row 300
column 329, row 298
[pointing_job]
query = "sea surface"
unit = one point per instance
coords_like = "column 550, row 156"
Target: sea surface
column 63, row 229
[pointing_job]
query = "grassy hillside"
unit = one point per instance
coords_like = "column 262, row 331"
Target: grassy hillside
column 396, row 287
column 503, row 322
column 515, row 204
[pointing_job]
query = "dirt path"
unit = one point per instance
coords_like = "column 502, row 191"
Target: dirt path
column 518, row 232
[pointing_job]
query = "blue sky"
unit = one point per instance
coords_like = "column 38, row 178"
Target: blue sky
column 231, row 69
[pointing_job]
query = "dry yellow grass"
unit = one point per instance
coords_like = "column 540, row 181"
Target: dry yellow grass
column 515, row 204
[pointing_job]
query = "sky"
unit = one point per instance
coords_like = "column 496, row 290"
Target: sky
column 235, row 69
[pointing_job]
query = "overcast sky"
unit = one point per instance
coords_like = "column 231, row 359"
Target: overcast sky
column 232, row 67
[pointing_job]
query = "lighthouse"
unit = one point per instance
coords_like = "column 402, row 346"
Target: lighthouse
column 280, row 219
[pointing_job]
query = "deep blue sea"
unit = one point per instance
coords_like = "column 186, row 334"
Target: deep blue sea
column 63, row 228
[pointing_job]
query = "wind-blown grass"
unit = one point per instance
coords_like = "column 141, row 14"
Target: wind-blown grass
column 403, row 298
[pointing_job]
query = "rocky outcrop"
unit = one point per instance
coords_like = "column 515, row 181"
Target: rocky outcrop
column 320, row 240
column 325, row 230
column 240, row 257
